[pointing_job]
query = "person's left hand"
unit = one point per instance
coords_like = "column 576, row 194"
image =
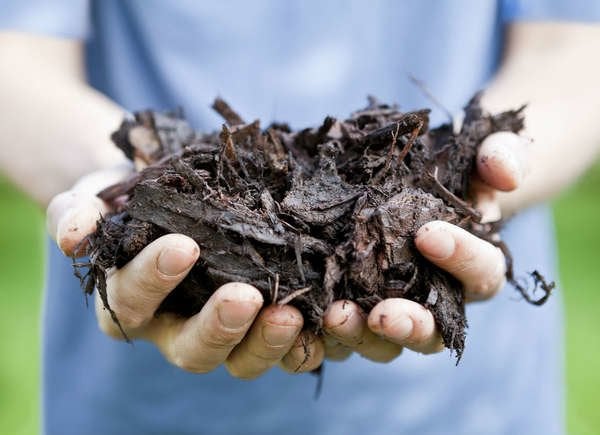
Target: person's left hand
column 479, row 265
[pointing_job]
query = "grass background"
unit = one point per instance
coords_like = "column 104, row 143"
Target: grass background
column 21, row 271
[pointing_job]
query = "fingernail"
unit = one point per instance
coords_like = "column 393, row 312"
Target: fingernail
column 436, row 243
column 175, row 261
column 234, row 315
column 278, row 335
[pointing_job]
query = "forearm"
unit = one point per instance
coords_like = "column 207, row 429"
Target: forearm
column 554, row 69
column 54, row 128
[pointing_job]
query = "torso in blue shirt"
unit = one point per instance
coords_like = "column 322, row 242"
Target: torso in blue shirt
column 297, row 61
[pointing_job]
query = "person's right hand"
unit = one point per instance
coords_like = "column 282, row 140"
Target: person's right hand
column 233, row 328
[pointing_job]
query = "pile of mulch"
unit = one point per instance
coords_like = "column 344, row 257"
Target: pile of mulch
column 307, row 217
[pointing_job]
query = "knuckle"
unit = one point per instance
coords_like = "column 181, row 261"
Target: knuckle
column 153, row 282
column 132, row 307
column 289, row 317
column 183, row 361
column 131, row 319
column 380, row 358
column 129, row 316
column 492, row 286
column 287, row 365
column 314, row 360
column 221, row 340
column 383, row 352
column 240, row 370
column 490, row 283
column 274, row 340
column 294, row 361
column 307, row 354
column 462, row 269
column 481, row 288
column 351, row 341
column 345, row 332
column 464, row 261
column 109, row 328
column 339, row 356
column 435, row 345
column 266, row 354
column 311, row 365
column 142, row 279
column 61, row 198
column 105, row 322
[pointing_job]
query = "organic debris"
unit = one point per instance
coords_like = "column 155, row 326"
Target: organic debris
column 307, row 217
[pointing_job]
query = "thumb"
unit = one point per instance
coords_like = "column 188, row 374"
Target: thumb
column 73, row 214
column 502, row 161
column 478, row 264
column 135, row 291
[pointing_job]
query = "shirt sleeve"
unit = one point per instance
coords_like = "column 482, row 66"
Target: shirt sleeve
column 551, row 10
column 61, row 18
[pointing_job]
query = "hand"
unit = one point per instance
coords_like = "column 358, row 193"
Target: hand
column 476, row 263
column 232, row 328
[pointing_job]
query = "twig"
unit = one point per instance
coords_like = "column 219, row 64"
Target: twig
column 294, row 295
column 276, row 289
column 388, row 160
column 411, row 141
column 229, row 115
column 538, row 279
column 456, row 202
column 421, row 85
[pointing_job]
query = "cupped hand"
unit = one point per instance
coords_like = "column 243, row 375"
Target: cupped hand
column 480, row 266
column 233, row 328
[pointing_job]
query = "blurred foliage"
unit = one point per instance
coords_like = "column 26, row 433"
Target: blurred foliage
column 578, row 232
column 21, row 256
column 21, row 271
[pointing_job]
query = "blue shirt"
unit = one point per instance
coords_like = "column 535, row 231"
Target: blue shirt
column 297, row 61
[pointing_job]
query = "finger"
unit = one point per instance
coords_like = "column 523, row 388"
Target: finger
column 271, row 336
column 478, row 264
column 334, row 350
column 96, row 181
column 56, row 210
column 71, row 216
column 501, row 160
column 204, row 341
column 346, row 322
column 407, row 324
column 306, row 354
column 486, row 201
column 136, row 290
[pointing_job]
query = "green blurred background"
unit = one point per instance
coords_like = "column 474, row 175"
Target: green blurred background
column 21, row 271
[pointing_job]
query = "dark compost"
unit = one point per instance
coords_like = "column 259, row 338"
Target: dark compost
column 308, row 216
